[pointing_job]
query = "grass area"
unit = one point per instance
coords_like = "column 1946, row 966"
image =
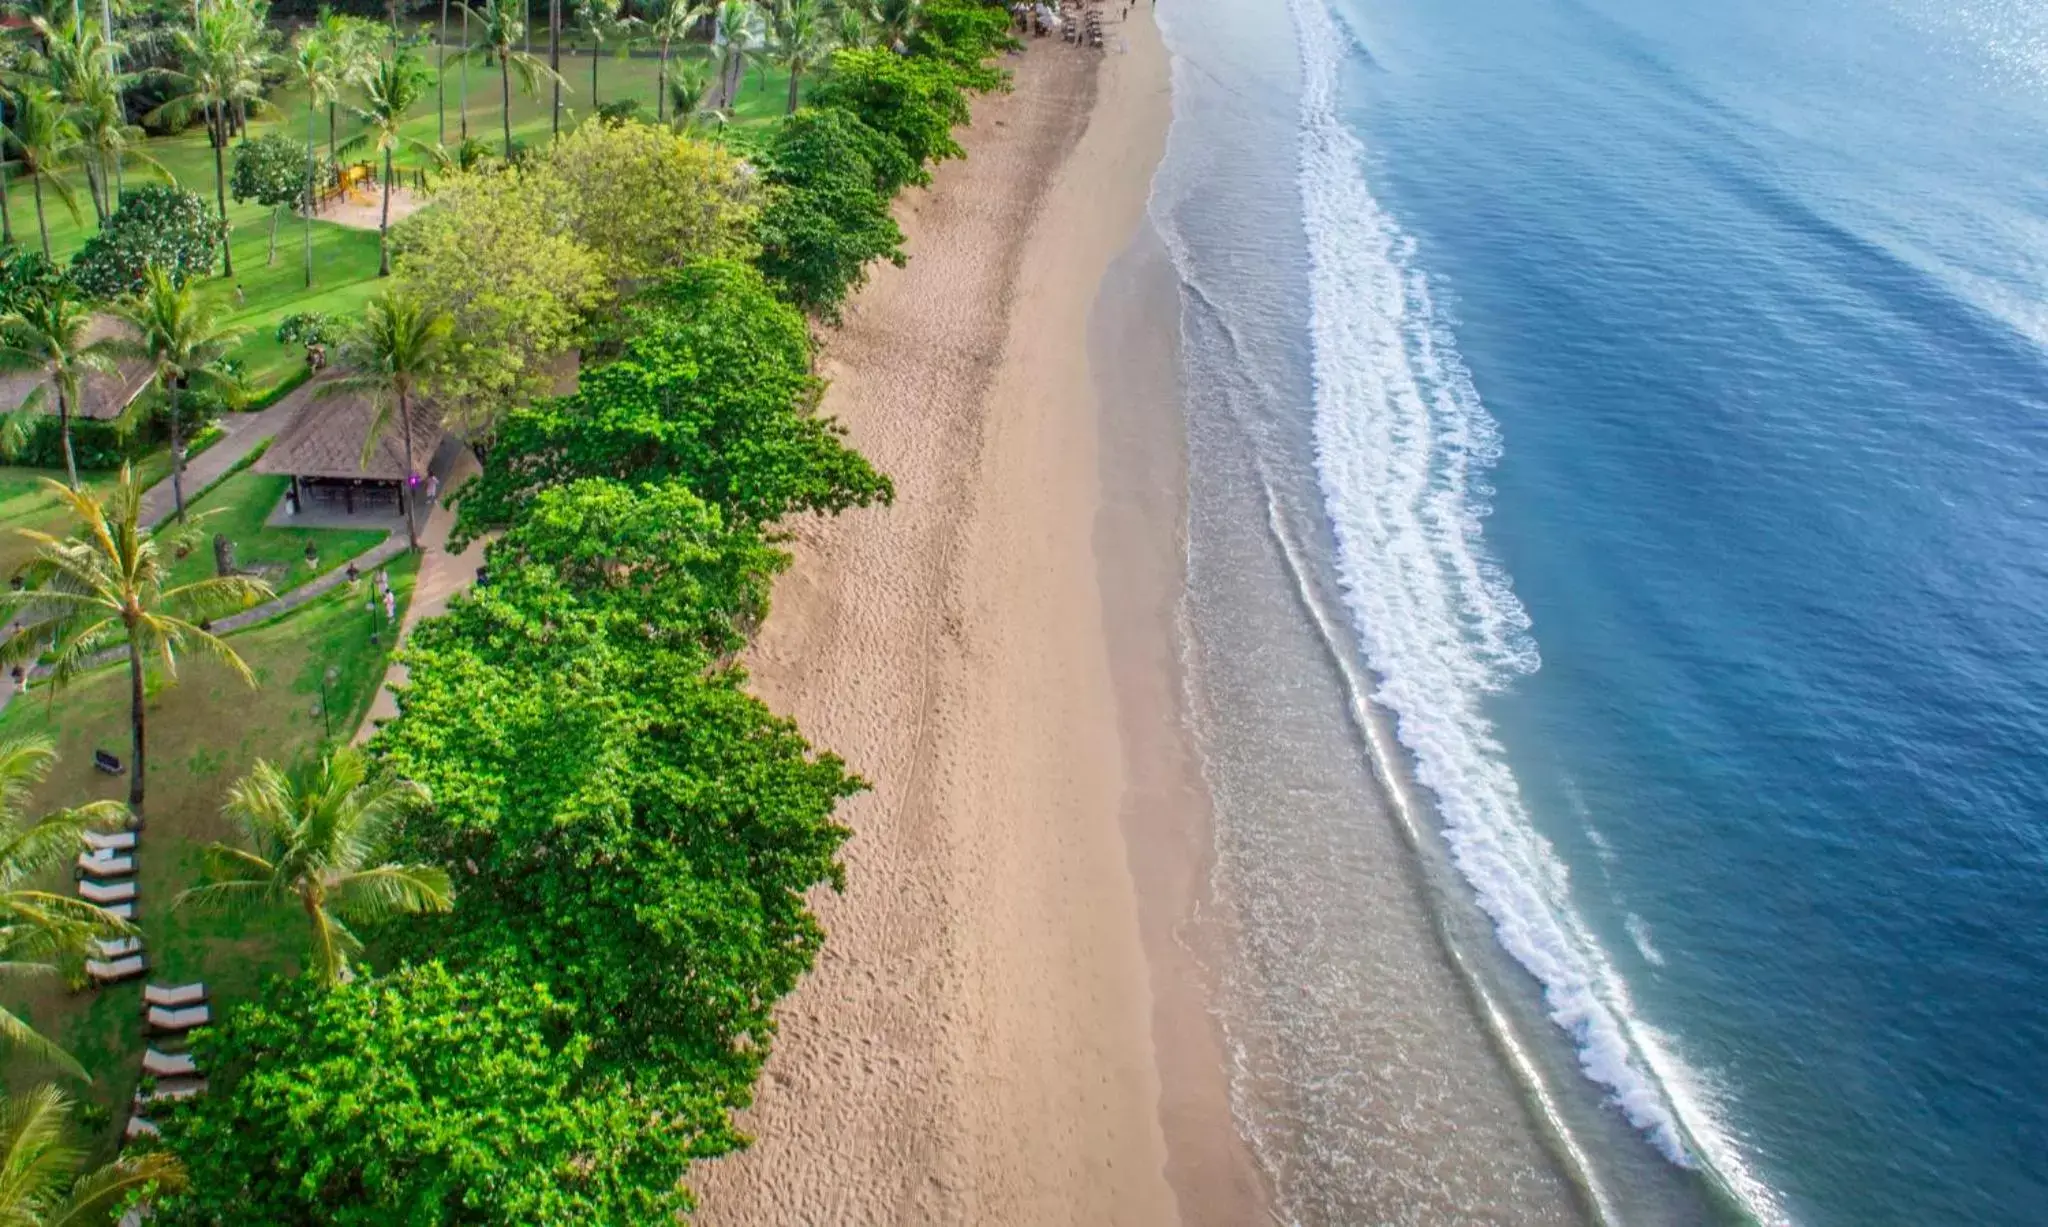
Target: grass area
column 26, row 503
column 204, row 732
column 238, row 508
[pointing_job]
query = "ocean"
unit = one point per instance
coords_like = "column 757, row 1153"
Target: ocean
column 1617, row 601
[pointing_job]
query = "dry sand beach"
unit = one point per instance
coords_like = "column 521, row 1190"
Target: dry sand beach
column 977, row 1042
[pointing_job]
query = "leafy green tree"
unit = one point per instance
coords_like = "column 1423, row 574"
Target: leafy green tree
column 715, row 391
column 390, row 92
column 499, row 26
column 186, row 347
column 828, row 214
column 803, row 37
column 966, row 34
column 223, row 58
column 106, row 586
column 39, row 1161
column 38, row 926
column 424, row 1096
column 645, row 201
column 493, row 256
column 318, row 836
column 46, row 141
column 389, row 357
column 157, row 226
column 272, row 171
column 50, row 332
column 914, row 100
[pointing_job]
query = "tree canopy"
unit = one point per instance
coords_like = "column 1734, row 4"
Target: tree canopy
column 828, row 215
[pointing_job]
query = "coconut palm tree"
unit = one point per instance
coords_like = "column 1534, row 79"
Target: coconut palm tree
column 318, row 835
column 850, row 26
column 107, row 585
column 739, row 31
column 896, row 22
column 47, row 141
column 500, row 26
column 39, row 1160
column 671, row 22
column 389, row 94
column 600, row 20
column 389, row 357
column 181, row 339
column 40, row 926
column 223, row 60
column 689, row 93
column 318, row 65
column 49, row 331
column 802, row 41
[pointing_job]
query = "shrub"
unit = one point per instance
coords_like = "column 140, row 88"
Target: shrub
column 172, row 228
column 624, row 110
column 308, row 328
column 25, row 273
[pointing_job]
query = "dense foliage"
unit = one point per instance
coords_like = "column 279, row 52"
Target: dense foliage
column 714, row 391
column 829, row 214
column 24, row 274
column 172, row 228
column 270, row 170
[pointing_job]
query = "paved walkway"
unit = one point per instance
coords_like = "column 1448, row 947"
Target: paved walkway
column 441, row 576
column 244, row 432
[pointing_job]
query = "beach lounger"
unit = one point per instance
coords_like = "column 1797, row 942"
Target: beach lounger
column 105, row 864
column 126, row 911
column 117, row 970
column 174, row 995
column 161, row 1019
column 169, row 1064
column 106, row 892
column 175, row 1089
column 110, row 841
column 139, row 1128
column 116, row 947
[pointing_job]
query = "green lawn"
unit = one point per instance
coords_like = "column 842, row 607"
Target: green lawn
column 238, row 507
column 204, row 732
column 27, row 503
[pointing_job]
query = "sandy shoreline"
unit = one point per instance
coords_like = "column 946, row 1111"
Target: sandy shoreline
column 977, row 1042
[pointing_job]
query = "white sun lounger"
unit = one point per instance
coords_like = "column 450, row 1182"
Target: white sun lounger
column 161, row 1019
column 138, row 1127
column 106, row 892
column 116, row 971
column 176, row 1088
column 116, row 947
column 110, row 841
column 169, row 1064
column 174, row 995
column 125, row 911
column 106, row 864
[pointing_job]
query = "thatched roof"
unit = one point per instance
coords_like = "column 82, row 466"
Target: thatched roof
column 325, row 439
column 101, row 397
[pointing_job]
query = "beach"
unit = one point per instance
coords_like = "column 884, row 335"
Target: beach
column 977, row 1042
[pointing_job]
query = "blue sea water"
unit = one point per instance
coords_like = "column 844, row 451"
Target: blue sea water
column 1674, row 383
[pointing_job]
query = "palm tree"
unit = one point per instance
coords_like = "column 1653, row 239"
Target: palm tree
column 688, row 92
column 501, row 26
column 600, row 20
column 554, row 64
column 802, row 41
column 49, row 332
column 38, row 1160
column 390, row 356
column 318, row 66
column 898, row 21
column 389, row 94
column 850, row 26
column 179, row 336
column 224, row 57
column 739, row 37
column 40, row 926
column 671, row 22
column 46, row 139
column 107, row 585
column 318, row 835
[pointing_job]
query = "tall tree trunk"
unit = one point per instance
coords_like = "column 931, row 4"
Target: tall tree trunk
column 332, row 157
column 42, row 222
column 6, row 214
column 137, row 765
column 594, row 47
column 505, row 106
column 463, row 109
column 92, row 189
column 312, row 124
column 178, row 450
column 384, row 223
column 275, row 214
column 412, row 532
column 441, row 79
column 220, row 194
column 794, row 74
column 555, row 58
column 661, row 84
column 64, row 433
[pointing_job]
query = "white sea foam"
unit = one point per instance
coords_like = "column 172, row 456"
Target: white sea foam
column 1639, row 933
column 1402, row 446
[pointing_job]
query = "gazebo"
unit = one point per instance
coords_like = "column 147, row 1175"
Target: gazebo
column 322, row 452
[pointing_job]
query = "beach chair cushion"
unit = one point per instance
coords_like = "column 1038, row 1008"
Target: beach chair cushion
column 106, row 892
column 106, row 864
column 178, row 1020
column 116, row 947
column 169, row 1064
column 174, row 995
column 110, row 841
column 115, row 970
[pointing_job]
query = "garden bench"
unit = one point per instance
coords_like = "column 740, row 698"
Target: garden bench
column 106, row 762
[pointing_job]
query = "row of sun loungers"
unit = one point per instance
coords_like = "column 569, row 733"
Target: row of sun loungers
column 104, row 893
column 169, row 1009
column 106, row 876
